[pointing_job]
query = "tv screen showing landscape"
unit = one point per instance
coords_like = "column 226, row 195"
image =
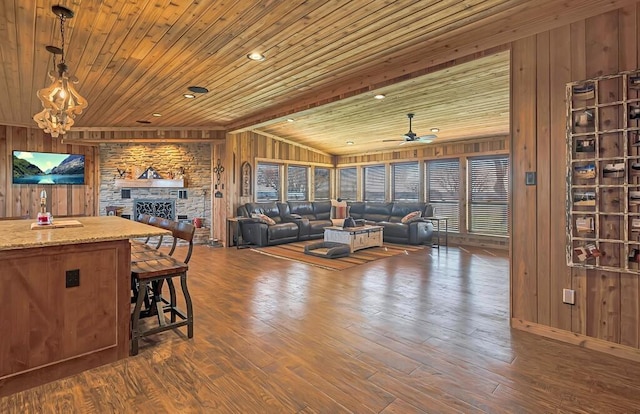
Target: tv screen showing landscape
column 47, row 168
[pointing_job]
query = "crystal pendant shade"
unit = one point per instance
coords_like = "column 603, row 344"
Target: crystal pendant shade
column 61, row 102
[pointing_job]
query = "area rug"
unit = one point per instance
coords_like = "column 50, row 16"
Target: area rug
column 295, row 252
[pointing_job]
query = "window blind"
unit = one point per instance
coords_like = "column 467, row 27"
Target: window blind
column 406, row 181
column 489, row 195
column 348, row 185
column 321, row 183
column 297, row 182
column 443, row 190
column 374, row 183
column 268, row 182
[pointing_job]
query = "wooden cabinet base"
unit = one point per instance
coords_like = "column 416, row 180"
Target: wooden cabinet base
column 56, row 328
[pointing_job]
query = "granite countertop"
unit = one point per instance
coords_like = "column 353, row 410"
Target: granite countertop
column 17, row 234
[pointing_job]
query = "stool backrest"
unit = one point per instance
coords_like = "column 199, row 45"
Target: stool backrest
column 143, row 218
column 155, row 221
column 183, row 231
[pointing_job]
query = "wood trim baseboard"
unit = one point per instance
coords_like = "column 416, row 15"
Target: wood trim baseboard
column 583, row 341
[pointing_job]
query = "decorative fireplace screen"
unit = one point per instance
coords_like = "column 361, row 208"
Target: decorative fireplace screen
column 157, row 208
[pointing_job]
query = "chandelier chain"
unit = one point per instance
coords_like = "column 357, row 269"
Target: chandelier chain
column 62, row 19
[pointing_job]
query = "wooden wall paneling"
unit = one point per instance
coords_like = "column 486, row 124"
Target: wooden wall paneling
column 543, row 190
column 629, row 283
column 580, row 282
column 95, row 182
column 5, row 172
column 560, row 274
column 21, row 194
column 218, row 228
column 29, row 203
column 523, row 202
column 9, row 189
column 60, row 197
column 602, row 58
column 78, row 192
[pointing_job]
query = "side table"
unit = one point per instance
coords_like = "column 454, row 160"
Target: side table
column 234, row 233
column 438, row 219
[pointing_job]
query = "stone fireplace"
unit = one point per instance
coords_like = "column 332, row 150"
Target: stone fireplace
column 179, row 203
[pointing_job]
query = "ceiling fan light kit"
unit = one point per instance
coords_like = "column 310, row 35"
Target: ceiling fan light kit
column 412, row 136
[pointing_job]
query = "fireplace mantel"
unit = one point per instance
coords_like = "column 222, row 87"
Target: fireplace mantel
column 152, row 182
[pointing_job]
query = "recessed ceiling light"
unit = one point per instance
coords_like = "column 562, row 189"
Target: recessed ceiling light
column 198, row 89
column 189, row 95
column 349, row 142
column 379, row 96
column 143, row 122
column 258, row 57
column 290, row 120
column 435, row 129
column 157, row 115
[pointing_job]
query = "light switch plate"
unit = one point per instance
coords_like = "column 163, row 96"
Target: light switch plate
column 530, row 178
column 569, row 296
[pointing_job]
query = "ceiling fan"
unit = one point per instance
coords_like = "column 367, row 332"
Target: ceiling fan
column 412, row 137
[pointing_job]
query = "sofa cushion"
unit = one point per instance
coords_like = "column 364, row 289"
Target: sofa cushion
column 322, row 210
column 356, row 209
column 402, row 208
column 283, row 231
column 302, row 208
column 395, row 230
column 377, row 211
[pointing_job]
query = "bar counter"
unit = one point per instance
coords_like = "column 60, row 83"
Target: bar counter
column 64, row 298
column 17, row 234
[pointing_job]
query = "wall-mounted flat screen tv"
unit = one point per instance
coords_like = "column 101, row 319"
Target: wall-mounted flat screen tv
column 47, row 168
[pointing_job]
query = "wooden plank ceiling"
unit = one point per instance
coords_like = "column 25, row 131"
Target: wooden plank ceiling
column 136, row 58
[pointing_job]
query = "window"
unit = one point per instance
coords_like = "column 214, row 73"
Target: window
column 374, row 183
column 297, row 182
column 443, row 189
column 321, row 187
column 348, row 184
column 268, row 182
column 406, row 181
column 489, row 195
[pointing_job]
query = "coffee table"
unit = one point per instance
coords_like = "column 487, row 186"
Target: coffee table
column 357, row 238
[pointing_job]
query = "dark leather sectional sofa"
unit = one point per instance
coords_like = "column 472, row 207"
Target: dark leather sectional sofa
column 304, row 220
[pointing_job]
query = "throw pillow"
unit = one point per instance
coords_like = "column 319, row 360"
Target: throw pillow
column 339, row 212
column 412, row 215
column 264, row 218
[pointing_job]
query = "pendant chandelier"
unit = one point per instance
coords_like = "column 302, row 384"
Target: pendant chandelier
column 61, row 101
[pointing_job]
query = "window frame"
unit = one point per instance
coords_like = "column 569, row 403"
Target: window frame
column 452, row 204
column 304, row 168
column 394, row 184
column 500, row 203
column 355, row 183
column 279, row 190
column 314, row 186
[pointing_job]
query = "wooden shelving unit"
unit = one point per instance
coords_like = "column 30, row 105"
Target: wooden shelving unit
column 603, row 173
column 148, row 183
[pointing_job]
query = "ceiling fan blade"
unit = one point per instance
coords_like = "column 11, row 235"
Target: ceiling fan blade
column 428, row 138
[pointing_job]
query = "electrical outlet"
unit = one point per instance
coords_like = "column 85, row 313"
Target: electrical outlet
column 569, row 296
column 72, row 278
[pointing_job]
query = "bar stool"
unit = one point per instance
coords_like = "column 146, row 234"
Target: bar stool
column 149, row 274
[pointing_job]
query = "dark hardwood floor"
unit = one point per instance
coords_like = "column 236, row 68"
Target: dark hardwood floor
column 418, row 333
